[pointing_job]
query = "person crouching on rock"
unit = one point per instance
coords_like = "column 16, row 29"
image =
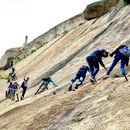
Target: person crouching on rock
column 45, row 83
column 122, row 53
column 80, row 75
column 93, row 60
column 24, row 86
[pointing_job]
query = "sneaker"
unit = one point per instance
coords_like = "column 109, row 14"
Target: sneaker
column 126, row 79
column 93, row 79
column 106, row 76
column 76, row 87
column 69, row 89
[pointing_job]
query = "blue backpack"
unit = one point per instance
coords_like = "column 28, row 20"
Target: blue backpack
column 125, row 51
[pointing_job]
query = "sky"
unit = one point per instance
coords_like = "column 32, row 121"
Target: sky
column 19, row 18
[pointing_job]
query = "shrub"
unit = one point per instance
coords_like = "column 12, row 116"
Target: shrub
column 33, row 50
column 3, row 76
column 65, row 32
column 123, row 3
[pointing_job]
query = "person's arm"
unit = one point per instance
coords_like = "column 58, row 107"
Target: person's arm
column 114, row 52
column 102, row 64
column 105, row 68
column 53, row 82
column 127, row 61
column 24, row 77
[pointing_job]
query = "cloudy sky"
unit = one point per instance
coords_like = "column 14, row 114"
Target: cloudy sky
column 33, row 17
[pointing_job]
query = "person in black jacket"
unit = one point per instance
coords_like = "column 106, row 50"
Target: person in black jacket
column 93, row 60
column 80, row 75
column 119, row 56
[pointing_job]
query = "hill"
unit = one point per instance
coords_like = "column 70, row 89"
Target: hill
column 103, row 106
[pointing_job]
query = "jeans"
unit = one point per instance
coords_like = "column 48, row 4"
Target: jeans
column 93, row 66
column 79, row 77
column 119, row 56
column 24, row 91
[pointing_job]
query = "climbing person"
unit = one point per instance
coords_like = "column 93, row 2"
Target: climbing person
column 80, row 76
column 93, row 60
column 24, row 86
column 122, row 53
column 45, row 83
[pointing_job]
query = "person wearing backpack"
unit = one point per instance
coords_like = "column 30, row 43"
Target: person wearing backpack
column 44, row 84
column 93, row 60
column 80, row 75
column 14, row 88
column 24, row 86
column 122, row 53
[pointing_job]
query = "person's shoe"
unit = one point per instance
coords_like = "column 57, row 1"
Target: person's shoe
column 69, row 89
column 93, row 80
column 76, row 87
column 126, row 79
column 106, row 76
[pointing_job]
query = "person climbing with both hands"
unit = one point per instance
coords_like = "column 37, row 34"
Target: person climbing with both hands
column 122, row 53
column 44, row 84
column 80, row 75
column 93, row 60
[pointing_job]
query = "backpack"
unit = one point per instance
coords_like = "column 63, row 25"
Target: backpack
column 125, row 51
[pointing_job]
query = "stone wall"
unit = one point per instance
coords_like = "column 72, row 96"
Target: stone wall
column 57, row 31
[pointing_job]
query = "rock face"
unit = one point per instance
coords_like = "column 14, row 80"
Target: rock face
column 103, row 106
column 53, row 34
column 8, row 56
column 98, row 9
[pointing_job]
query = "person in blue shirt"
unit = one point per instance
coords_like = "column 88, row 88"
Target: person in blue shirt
column 80, row 75
column 122, row 53
column 93, row 60
column 44, row 84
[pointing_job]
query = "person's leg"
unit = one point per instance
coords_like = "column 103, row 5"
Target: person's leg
column 81, row 79
column 44, row 87
column 71, row 82
column 122, row 68
column 115, row 61
column 24, row 91
column 13, row 94
column 39, row 88
column 90, row 64
column 96, row 65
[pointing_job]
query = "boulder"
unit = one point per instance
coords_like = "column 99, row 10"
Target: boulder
column 8, row 57
column 98, row 9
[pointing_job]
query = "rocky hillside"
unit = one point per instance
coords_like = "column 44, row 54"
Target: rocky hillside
column 17, row 54
column 103, row 106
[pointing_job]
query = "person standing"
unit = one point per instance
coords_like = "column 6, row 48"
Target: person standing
column 24, row 86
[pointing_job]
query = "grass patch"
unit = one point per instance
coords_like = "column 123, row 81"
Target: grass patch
column 3, row 76
column 65, row 32
column 122, row 3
